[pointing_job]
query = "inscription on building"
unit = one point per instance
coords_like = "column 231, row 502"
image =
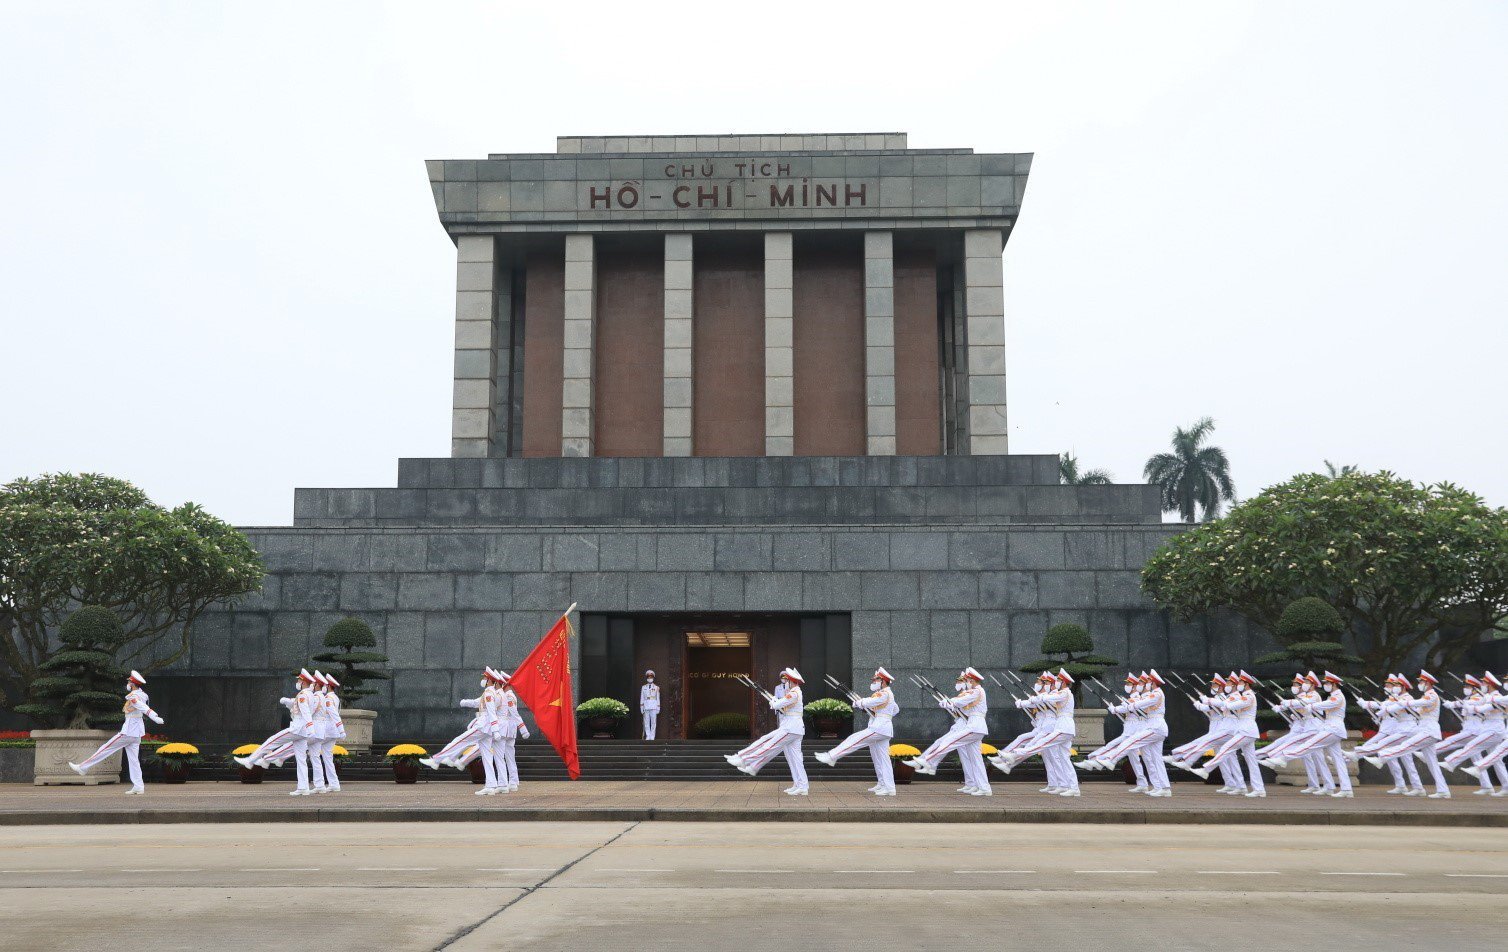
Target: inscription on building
column 726, row 184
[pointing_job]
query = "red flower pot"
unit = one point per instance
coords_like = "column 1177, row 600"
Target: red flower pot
column 175, row 773
column 251, row 774
column 903, row 772
column 477, row 771
column 405, row 771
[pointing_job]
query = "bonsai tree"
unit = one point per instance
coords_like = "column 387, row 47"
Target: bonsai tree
column 348, row 636
column 1310, row 630
column 80, row 684
column 1074, row 651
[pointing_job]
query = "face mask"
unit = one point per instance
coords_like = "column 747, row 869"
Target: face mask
column 958, row 685
column 874, row 685
column 1294, row 690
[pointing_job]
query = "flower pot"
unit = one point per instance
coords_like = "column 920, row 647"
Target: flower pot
column 56, row 748
column 477, row 771
column 828, row 726
column 406, row 771
column 602, row 726
column 903, row 772
column 250, row 774
column 175, row 772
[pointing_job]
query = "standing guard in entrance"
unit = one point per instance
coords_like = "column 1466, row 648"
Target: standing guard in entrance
column 649, row 704
column 785, row 738
column 881, row 708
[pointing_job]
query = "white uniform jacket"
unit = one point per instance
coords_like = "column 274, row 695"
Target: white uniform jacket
column 511, row 722
column 1427, row 707
column 301, row 714
column 881, row 707
column 649, row 698
column 1331, row 712
column 970, row 705
column 134, row 708
column 787, row 706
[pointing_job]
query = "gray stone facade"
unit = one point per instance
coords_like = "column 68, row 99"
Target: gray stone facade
column 967, row 561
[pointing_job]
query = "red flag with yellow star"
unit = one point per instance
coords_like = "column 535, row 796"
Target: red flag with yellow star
column 543, row 682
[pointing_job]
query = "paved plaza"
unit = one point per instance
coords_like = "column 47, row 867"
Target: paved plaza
column 697, row 886
column 734, row 800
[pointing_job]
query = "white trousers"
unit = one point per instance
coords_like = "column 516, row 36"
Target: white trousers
column 326, row 756
column 1244, row 748
column 879, row 754
column 1325, row 748
column 132, row 748
column 966, row 741
column 1421, row 745
column 1053, row 746
column 452, row 752
column 499, row 765
column 776, row 742
column 650, row 717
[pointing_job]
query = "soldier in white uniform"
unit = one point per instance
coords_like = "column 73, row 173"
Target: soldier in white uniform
column 785, row 738
column 1131, row 723
column 1329, row 711
column 510, row 728
column 881, row 708
column 1220, row 730
column 279, row 747
column 1240, row 705
column 337, row 731
column 1422, row 737
column 1146, row 737
column 1393, row 721
column 1054, row 740
column 1481, row 730
column 649, row 704
column 468, row 743
column 1041, row 720
column 128, row 738
column 322, row 733
column 1495, row 721
column 968, row 708
column 1302, row 728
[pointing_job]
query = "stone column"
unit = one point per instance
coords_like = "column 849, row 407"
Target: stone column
column 879, row 343
column 779, row 351
column 472, row 424
column 678, row 336
column 580, row 337
column 984, row 305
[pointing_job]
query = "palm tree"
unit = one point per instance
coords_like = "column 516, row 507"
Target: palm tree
column 1345, row 470
column 1068, row 470
column 1193, row 474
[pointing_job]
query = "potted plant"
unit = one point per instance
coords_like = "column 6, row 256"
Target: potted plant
column 899, row 754
column 351, row 637
column 724, row 726
column 602, row 715
column 405, row 761
column 246, row 774
column 474, row 767
column 829, row 716
column 1070, row 647
column 79, row 688
column 175, row 760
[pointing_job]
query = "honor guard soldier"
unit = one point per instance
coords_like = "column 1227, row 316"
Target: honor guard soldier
column 1240, row 705
column 649, row 704
column 128, row 738
column 1495, row 721
column 1393, row 721
column 337, row 731
column 1053, row 740
column 1422, row 738
column 1145, row 738
column 510, row 728
column 471, row 738
column 785, row 738
column 968, row 708
column 1329, row 711
column 1040, row 721
column 881, row 708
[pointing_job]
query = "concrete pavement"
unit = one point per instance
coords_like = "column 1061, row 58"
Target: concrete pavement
column 722, row 801
column 683, row 886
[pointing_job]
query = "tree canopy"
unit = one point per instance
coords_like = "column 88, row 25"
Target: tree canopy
column 1410, row 569
column 84, row 539
column 80, row 684
column 1194, row 475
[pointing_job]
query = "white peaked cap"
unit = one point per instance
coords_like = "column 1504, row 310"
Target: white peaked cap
column 503, row 676
column 971, row 674
column 1472, row 679
column 884, row 675
column 649, row 673
column 1334, row 677
column 1217, row 678
column 488, row 673
column 1246, row 677
column 1426, row 676
column 135, row 678
column 1489, row 678
column 1154, row 677
column 1046, row 676
column 1064, row 677
column 793, row 674
column 304, row 673
column 319, row 677
column 1312, row 678
column 330, row 680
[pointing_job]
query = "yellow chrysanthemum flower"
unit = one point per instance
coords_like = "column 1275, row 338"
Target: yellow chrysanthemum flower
column 339, row 751
column 988, row 749
column 407, row 750
column 245, row 749
column 903, row 750
column 176, row 748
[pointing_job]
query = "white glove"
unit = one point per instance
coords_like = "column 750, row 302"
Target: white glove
column 156, row 719
column 523, row 732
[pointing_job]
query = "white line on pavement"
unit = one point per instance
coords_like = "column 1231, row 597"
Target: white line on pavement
column 1362, row 874
column 1115, row 872
column 395, row 869
column 41, row 870
column 871, row 871
column 755, row 870
column 1478, row 875
column 1238, row 872
column 998, row 872
column 281, row 869
column 625, row 869
column 514, row 869
column 161, row 869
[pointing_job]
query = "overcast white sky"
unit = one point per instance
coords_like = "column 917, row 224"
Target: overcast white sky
column 221, row 274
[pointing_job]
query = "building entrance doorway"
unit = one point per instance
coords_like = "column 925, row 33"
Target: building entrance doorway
column 715, row 700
